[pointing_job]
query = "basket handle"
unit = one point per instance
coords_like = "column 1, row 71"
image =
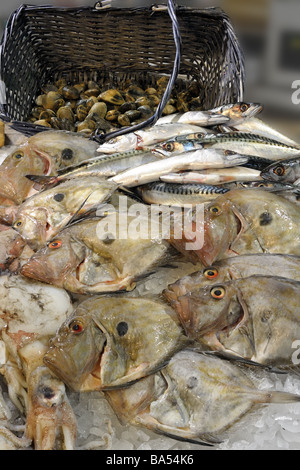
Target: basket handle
column 101, row 138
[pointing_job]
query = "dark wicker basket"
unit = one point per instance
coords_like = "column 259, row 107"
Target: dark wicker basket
column 44, row 43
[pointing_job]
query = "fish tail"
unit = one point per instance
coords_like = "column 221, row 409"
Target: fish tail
column 281, row 397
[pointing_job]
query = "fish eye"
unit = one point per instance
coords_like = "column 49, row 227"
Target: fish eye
column 279, row 170
column 211, row 273
column 18, row 155
column 76, row 327
column 229, row 152
column 216, row 210
column 18, row 223
column 217, row 292
column 122, row 328
column 55, row 244
column 169, row 147
column 58, row 197
column 244, row 107
column 67, row 154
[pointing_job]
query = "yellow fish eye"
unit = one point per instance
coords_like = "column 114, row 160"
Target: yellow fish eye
column 18, row 155
column 279, row 170
column 18, row 223
column 211, row 273
column 169, row 146
column 217, row 292
column 215, row 210
column 244, row 107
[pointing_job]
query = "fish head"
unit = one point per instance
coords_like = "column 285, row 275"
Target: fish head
column 169, row 148
column 281, row 171
column 32, row 226
column 25, row 160
column 217, row 227
column 55, row 262
column 210, row 310
column 208, row 276
column 76, row 348
column 134, row 337
column 240, row 111
column 220, row 228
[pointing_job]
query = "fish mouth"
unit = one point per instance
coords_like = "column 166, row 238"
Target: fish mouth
column 37, row 269
column 65, row 367
column 254, row 109
column 9, row 187
column 48, row 165
column 159, row 152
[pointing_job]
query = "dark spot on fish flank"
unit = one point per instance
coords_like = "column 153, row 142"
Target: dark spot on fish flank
column 297, row 197
column 122, row 328
column 47, row 392
column 67, row 154
column 192, row 382
column 58, row 197
column 265, row 218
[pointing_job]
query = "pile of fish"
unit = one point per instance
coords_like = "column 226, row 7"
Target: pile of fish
column 78, row 251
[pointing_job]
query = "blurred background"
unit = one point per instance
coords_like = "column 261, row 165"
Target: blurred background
column 269, row 33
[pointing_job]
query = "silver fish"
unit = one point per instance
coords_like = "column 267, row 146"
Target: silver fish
column 102, row 166
column 230, row 114
column 257, row 126
column 284, row 171
column 199, row 159
column 145, row 138
column 213, row 176
column 250, row 144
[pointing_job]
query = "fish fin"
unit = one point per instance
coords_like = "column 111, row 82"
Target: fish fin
column 42, row 179
column 205, row 440
column 131, row 193
column 283, row 397
column 229, row 356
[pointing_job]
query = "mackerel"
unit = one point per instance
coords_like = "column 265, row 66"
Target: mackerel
column 101, row 166
column 251, row 144
column 179, row 194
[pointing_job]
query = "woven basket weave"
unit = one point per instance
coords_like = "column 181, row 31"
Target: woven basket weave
column 43, row 43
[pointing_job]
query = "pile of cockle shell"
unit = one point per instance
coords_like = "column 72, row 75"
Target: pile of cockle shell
column 89, row 106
